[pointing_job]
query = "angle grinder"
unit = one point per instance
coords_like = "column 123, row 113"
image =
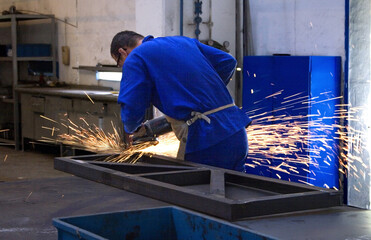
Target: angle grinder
column 151, row 129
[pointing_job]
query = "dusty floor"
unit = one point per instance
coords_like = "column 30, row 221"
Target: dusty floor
column 25, row 165
column 32, row 193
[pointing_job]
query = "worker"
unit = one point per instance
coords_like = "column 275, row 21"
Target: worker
column 186, row 80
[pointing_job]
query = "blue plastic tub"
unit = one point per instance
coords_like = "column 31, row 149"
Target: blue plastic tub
column 155, row 223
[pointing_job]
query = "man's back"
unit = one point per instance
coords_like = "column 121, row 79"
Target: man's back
column 179, row 75
column 182, row 76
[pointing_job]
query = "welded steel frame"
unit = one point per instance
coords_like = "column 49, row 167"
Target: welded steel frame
column 164, row 179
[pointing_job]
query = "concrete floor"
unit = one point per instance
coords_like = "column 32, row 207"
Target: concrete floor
column 32, row 193
column 18, row 165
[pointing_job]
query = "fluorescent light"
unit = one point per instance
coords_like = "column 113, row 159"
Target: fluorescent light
column 109, row 76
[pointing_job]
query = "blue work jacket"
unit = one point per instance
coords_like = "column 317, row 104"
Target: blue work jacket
column 179, row 75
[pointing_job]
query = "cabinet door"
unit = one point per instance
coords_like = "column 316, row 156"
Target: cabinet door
column 300, row 79
column 84, row 114
column 258, row 84
column 27, row 116
column 112, row 118
column 100, row 114
column 38, row 108
column 271, row 84
column 325, row 83
column 56, row 109
column 292, row 77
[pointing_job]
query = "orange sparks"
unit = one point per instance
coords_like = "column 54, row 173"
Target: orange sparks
column 305, row 182
column 91, row 100
column 53, row 129
column 274, row 136
column 274, row 94
column 278, row 137
column 28, row 196
column 83, row 119
column 42, row 116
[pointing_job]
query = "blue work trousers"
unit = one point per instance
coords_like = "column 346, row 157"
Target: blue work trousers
column 230, row 153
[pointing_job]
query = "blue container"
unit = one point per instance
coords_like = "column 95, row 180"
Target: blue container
column 311, row 76
column 33, row 50
column 155, row 223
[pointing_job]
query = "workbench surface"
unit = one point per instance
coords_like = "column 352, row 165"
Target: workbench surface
column 95, row 94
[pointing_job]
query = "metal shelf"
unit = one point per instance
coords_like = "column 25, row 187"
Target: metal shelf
column 102, row 68
column 13, row 20
column 4, row 141
column 34, row 58
column 7, row 100
column 27, row 59
column 6, row 59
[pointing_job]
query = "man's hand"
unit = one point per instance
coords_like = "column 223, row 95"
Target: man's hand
column 141, row 132
column 128, row 139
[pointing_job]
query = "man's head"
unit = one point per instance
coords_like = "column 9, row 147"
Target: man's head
column 122, row 44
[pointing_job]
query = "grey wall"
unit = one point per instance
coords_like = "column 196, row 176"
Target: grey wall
column 298, row 27
column 359, row 97
column 96, row 21
column 161, row 18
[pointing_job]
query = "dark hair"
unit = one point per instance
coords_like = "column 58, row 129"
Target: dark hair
column 124, row 39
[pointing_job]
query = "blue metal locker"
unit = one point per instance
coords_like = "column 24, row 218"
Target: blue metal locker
column 314, row 83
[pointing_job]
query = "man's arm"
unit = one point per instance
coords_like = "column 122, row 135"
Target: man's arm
column 223, row 63
column 135, row 93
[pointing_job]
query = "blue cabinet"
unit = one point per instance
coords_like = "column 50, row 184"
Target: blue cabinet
column 288, row 91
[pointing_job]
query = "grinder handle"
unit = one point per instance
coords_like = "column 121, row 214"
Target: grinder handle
column 157, row 126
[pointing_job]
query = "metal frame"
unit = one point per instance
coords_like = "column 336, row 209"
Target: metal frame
column 14, row 19
column 218, row 192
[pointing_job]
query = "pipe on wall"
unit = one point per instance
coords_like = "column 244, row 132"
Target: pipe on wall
column 238, row 74
column 181, row 3
column 248, row 49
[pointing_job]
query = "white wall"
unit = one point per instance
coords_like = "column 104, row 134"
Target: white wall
column 161, row 18
column 218, row 24
column 150, row 17
column 97, row 22
column 298, row 27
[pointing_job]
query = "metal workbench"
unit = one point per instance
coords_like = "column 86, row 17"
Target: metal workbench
column 72, row 92
column 96, row 105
